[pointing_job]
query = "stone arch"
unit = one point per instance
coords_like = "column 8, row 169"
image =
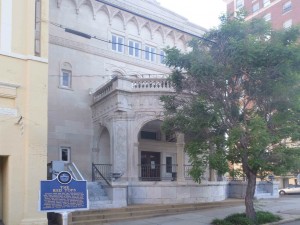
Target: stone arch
column 181, row 43
column 115, row 71
column 104, row 146
column 119, row 15
column 134, row 20
column 106, row 10
column 154, row 126
column 148, row 27
column 170, row 38
column 159, row 31
column 65, row 65
column 140, row 122
column 75, row 2
column 90, row 4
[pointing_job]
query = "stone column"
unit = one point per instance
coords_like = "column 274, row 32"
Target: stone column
column 119, row 146
column 95, row 148
column 180, row 157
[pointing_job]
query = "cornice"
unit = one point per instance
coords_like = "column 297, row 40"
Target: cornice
column 140, row 11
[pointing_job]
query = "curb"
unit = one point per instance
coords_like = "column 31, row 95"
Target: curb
column 284, row 221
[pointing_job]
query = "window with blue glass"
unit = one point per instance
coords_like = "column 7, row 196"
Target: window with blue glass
column 117, row 43
column 134, row 48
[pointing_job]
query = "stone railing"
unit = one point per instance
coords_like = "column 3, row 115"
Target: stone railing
column 148, row 84
column 157, row 84
column 103, row 91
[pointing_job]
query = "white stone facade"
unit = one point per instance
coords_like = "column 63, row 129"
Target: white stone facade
column 105, row 81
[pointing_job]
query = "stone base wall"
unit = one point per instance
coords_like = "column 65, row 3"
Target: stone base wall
column 237, row 189
column 173, row 193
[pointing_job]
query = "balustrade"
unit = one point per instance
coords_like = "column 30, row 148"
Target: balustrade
column 133, row 85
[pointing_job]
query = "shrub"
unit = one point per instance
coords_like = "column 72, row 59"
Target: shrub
column 266, row 217
column 241, row 219
column 220, row 222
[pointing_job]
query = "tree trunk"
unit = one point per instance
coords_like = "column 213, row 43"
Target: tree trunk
column 251, row 185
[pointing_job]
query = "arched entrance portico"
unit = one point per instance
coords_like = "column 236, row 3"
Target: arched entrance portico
column 157, row 153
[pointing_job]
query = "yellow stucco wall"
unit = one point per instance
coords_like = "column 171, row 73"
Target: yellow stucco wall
column 23, row 117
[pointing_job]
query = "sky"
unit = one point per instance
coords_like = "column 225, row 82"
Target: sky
column 204, row 13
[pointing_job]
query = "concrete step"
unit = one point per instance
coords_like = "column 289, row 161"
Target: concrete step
column 96, row 191
column 140, row 211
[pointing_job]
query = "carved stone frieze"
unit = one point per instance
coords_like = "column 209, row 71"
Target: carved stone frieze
column 126, row 16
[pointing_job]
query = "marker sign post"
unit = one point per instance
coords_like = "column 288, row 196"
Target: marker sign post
column 63, row 195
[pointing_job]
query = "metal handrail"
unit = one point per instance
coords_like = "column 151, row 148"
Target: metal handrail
column 95, row 169
column 72, row 168
column 70, row 165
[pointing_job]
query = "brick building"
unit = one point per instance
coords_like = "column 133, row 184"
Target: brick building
column 281, row 13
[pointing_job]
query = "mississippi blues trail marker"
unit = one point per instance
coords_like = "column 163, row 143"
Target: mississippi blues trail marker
column 63, row 194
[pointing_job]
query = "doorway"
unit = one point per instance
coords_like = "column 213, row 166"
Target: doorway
column 150, row 166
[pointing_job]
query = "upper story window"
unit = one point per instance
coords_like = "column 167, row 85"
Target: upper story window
column 150, row 53
column 266, row 3
column 239, row 4
column 134, row 48
column 287, row 24
column 66, row 76
column 162, row 57
column 255, row 7
column 287, row 7
column 64, row 154
column 267, row 17
column 65, row 79
column 117, row 43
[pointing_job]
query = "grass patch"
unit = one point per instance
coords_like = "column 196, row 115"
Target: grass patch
column 241, row 219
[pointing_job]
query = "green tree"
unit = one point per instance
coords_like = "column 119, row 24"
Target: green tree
column 237, row 98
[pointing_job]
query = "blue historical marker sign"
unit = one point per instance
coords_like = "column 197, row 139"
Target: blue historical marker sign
column 63, row 193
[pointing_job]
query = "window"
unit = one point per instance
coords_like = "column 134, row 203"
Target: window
column 162, row 57
column 287, row 24
column 239, row 4
column 117, row 43
column 150, row 53
column 148, row 135
column 64, row 154
column 168, row 164
column 37, row 28
column 266, row 3
column 287, row 7
column 267, row 17
column 134, row 48
column 255, row 7
column 65, row 78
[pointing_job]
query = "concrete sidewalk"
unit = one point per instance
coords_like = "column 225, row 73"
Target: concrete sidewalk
column 288, row 207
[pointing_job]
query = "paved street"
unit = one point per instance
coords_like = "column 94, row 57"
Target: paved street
column 288, row 207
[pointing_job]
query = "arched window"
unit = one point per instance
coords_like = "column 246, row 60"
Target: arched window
column 66, row 76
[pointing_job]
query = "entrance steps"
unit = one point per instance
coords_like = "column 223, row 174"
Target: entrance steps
column 98, row 198
column 101, row 217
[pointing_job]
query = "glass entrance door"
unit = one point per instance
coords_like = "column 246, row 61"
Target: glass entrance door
column 150, row 166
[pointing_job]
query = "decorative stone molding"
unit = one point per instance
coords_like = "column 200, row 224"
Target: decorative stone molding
column 97, row 6
column 8, row 90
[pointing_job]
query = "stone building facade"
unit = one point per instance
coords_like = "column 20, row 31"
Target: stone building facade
column 106, row 76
